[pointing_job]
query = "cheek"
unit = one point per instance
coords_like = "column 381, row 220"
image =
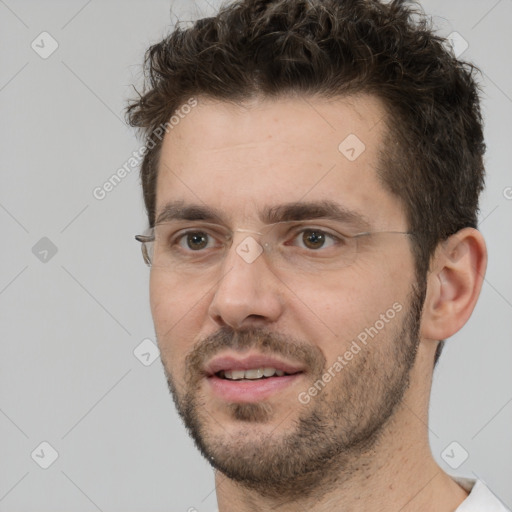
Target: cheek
column 334, row 312
column 177, row 312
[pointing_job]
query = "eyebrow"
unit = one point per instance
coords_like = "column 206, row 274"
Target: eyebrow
column 294, row 211
column 178, row 210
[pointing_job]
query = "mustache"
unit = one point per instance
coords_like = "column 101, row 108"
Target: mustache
column 260, row 339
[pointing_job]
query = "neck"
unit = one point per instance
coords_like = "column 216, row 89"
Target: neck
column 397, row 473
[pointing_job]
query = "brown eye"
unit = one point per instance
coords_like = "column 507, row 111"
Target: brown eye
column 313, row 239
column 196, row 240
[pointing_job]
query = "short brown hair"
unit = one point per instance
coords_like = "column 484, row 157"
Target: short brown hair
column 433, row 157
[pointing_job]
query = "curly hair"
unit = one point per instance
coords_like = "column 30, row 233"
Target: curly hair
column 432, row 158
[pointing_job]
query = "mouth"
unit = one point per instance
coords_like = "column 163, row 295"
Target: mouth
column 252, row 374
column 250, row 379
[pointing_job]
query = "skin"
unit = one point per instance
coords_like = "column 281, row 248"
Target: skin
column 240, row 159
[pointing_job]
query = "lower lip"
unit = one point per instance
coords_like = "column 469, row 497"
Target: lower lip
column 246, row 391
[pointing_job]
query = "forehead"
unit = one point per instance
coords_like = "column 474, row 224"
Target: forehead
column 244, row 159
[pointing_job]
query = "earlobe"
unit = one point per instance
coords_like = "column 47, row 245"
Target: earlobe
column 453, row 284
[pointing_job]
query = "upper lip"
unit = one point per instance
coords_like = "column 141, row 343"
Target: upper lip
column 233, row 362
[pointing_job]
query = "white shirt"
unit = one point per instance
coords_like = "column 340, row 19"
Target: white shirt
column 480, row 499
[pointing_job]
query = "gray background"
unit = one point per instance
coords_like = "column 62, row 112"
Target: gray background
column 71, row 321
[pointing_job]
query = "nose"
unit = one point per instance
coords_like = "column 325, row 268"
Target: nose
column 249, row 292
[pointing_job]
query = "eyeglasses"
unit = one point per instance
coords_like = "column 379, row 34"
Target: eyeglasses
column 187, row 247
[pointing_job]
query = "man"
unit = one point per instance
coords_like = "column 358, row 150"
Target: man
column 311, row 181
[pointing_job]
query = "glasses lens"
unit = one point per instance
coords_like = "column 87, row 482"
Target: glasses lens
column 308, row 247
column 290, row 246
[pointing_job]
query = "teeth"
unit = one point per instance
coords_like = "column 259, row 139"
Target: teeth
column 268, row 372
column 252, row 374
column 234, row 375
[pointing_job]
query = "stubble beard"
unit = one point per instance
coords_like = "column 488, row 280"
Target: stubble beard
column 330, row 434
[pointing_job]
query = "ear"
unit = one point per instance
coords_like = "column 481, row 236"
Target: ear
column 453, row 284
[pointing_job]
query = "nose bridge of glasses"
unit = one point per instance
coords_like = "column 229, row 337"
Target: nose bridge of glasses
column 248, row 244
column 252, row 243
column 243, row 230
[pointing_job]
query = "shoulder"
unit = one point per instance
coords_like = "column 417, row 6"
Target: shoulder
column 480, row 499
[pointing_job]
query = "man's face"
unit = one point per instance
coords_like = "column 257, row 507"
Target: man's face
column 239, row 314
